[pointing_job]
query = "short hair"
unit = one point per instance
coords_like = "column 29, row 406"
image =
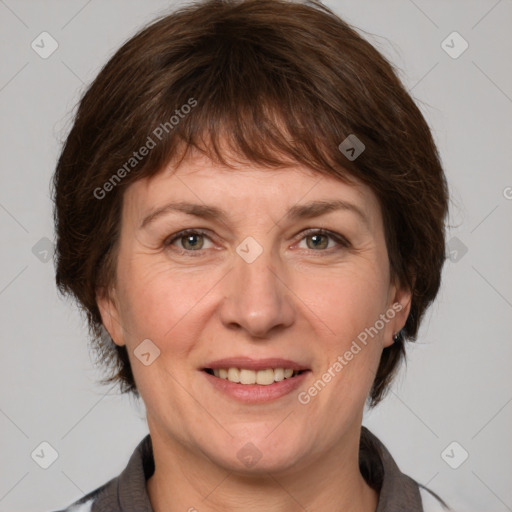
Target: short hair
column 277, row 81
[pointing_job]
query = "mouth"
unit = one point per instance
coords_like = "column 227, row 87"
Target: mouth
column 253, row 381
column 246, row 376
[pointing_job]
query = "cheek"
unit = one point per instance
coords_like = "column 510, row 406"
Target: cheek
column 346, row 301
column 347, row 309
column 165, row 308
column 158, row 304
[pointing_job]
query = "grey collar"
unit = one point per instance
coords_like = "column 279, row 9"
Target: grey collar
column 397, row 491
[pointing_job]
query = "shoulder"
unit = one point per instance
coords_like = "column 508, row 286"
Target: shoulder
column 129, row 486
column 79, row 507
column 85, row 503
column 431, row 502
column 398, row 491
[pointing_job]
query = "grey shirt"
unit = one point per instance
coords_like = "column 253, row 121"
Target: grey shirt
column 127, row 492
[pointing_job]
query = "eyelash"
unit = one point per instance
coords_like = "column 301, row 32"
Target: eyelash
column 342, row 241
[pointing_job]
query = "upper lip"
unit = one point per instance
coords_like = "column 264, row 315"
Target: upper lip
column 255, row 364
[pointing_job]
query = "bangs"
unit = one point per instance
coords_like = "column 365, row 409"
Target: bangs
column 263, row 132
column 250, row 103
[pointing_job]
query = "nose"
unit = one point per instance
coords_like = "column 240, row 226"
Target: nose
column 257, row 298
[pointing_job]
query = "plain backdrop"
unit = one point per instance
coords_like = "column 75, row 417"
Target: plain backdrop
column 453, row 399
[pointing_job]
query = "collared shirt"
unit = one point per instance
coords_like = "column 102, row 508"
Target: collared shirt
column 397, row 491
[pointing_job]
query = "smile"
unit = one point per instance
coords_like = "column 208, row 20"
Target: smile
column 248, row 389
column 245, row 376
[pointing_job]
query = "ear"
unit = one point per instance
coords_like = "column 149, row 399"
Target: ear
column 109, row 310
column 400, row 303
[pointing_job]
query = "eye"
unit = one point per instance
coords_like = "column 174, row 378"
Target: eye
column 192, row 240
column 320, row 239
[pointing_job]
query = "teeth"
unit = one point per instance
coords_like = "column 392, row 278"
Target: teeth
column 278, row 374
column 247, row 377
column 233, row 374
column 262, row 377
column 265, row 377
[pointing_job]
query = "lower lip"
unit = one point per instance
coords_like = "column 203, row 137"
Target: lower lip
column 257, row 393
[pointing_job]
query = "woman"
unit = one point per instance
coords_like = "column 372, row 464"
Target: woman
column 250, row 210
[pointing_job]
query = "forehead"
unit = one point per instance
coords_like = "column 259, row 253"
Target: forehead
column 244, row 188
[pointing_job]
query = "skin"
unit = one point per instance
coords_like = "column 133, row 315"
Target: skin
column 303, row 298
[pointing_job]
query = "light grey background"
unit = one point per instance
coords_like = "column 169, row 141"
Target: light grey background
column 457, row 385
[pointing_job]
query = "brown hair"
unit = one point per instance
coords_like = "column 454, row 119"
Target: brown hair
column 276, row 80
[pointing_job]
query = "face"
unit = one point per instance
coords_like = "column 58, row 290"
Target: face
column 255, row 278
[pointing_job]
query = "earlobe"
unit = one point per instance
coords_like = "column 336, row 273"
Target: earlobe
column 109, row 311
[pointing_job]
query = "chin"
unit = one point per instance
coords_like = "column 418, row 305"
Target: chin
column 260, row 456
column 255, row 466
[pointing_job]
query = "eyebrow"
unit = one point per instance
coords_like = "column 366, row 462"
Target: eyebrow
column 296, row 212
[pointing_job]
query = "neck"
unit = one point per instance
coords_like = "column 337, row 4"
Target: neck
column 185, row 480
